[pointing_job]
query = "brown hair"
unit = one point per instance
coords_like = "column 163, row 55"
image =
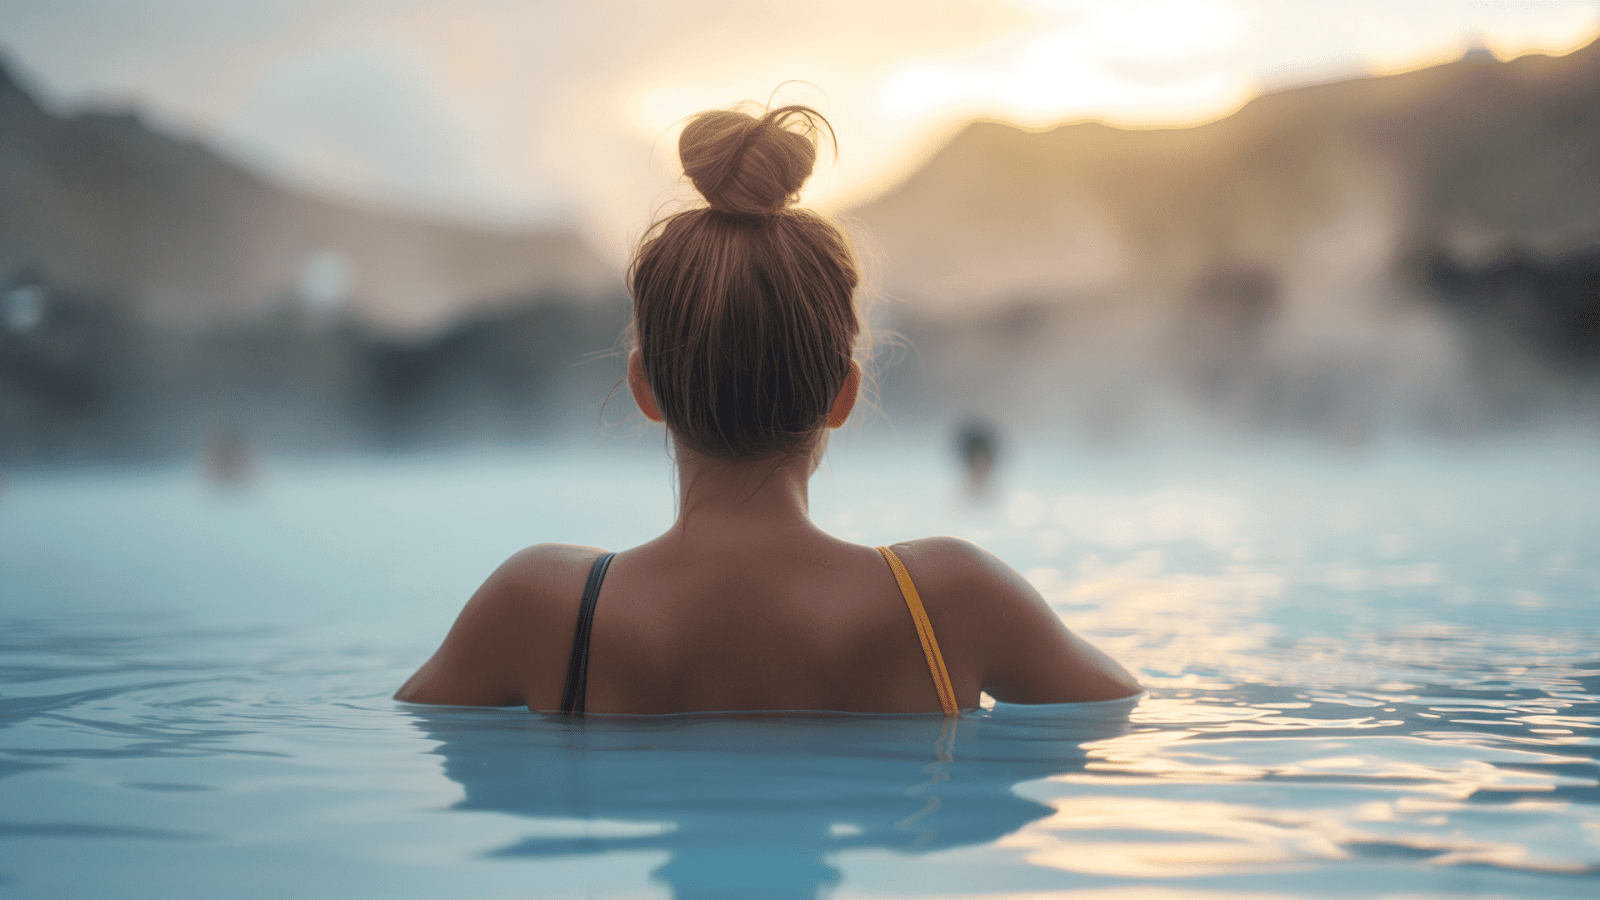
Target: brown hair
column 743, row 310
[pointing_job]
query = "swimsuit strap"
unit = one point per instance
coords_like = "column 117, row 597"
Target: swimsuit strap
column 578, row 663
column 930, row 644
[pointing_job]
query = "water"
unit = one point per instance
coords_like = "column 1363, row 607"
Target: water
column 1368, row 677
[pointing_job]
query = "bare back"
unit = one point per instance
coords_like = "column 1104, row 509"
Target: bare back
column 813, row 625
column 778, row 618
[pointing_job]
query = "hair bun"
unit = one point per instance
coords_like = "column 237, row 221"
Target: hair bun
column 750, row 166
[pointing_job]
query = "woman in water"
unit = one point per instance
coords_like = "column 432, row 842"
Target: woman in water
column 745, row 327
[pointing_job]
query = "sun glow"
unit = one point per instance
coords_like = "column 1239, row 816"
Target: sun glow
column 1142, row 62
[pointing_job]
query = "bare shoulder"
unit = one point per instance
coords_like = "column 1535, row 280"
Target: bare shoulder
column 533, row 571
column 531, row 583
column 957, row 553
column 1019, row 645
column 970, row 587
column 943, row 565
column 521, row 615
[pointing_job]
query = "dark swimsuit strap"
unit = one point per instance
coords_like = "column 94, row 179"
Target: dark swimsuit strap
column 578, row 663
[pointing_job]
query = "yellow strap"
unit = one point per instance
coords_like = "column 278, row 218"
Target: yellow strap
column 930, row 644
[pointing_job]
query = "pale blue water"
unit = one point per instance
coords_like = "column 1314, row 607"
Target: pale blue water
column 1370, row 676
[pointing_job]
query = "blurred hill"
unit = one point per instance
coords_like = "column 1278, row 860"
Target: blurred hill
column 156, row 299
column 101, row 204
column 1325, row 258
column 1477, row 155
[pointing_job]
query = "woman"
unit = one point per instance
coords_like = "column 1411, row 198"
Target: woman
column 745, row 328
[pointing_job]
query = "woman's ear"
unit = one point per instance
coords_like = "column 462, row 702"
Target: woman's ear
column 641, row 388
column 846, row 400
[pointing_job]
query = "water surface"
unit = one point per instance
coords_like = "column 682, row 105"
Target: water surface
column 1370, row 676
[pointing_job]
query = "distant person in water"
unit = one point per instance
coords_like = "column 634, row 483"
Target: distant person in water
column 979, row 447
column 228, row 462
column 744, row 329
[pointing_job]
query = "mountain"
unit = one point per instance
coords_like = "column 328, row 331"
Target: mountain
column 1410, row 249
column 157, row 300
column 1475, row 157
column 100, row 204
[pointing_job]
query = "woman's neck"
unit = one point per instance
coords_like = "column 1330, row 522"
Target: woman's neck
column 715, row 494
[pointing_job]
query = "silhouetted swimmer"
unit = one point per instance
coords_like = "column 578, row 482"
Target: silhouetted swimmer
column 979, row 446
column 745, row 331
column 229, row 464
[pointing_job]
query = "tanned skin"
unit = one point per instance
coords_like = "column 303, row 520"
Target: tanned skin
column 745, row 604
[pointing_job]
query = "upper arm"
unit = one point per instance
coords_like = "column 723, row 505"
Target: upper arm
column 499, row 635
column 1024, row 652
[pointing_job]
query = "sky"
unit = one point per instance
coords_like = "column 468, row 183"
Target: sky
column 562, row 111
